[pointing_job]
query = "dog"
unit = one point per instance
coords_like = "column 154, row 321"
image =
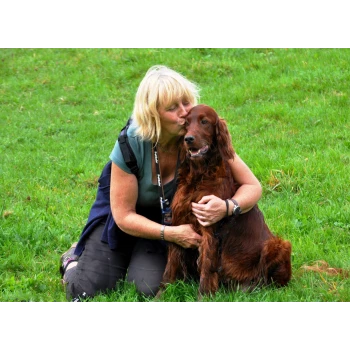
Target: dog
column 240, row 252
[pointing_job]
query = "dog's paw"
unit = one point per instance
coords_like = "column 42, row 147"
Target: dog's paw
column 158, row 296
column 209, row 285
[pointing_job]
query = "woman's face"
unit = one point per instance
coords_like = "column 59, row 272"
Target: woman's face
column 172, row 117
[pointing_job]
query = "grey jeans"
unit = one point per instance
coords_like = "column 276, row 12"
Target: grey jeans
column 99, row 268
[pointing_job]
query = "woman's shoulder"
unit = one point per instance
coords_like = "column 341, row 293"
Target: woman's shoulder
column 134, row 138
column 132, row 129
column 140, row 148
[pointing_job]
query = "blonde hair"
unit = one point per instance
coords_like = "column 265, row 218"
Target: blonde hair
column 160, row 87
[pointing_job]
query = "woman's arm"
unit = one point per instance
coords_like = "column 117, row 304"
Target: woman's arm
column 250, row 189
column 123, row 197
column 211, row 209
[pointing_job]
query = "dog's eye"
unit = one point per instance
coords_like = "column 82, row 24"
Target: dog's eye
column 204, row 121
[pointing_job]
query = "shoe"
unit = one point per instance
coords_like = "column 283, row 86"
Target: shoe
column 67, row 258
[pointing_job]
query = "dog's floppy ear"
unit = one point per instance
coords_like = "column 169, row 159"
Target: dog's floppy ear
column 223, row 139
column 182, row 155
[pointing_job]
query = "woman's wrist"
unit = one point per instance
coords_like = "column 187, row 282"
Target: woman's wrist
column 232, row 207
column 162, row 230
column 168, row 233
column 236, row 210
column 228, row 210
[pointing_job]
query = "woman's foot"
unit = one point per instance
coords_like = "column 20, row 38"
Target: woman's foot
column 68, row 259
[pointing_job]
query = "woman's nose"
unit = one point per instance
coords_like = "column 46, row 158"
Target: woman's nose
column 184, row 109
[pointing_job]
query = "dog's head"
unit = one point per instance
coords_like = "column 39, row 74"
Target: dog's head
column 206, row 133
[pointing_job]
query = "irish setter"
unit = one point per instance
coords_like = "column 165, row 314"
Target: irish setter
column 239, row 252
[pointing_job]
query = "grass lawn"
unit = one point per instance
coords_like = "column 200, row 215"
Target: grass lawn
column 60, row 114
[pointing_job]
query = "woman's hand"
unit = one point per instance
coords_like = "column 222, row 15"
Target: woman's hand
column 209, row 210
column 183, row 235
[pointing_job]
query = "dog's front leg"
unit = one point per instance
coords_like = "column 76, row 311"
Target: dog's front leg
column 172, row 268
column 208, row 264
column 175, row 267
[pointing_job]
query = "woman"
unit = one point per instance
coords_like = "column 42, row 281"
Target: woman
column 130, row 238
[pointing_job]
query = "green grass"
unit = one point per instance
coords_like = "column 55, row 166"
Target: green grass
column 60, row 114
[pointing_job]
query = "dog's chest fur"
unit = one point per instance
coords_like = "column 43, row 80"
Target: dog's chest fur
column 193, row 185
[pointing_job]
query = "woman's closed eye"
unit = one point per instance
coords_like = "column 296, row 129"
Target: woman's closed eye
column 172, row 107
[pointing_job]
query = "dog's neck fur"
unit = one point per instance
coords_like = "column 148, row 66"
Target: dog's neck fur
column 206, row 167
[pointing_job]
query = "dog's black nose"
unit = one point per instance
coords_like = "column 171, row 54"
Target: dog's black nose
column 189, row 139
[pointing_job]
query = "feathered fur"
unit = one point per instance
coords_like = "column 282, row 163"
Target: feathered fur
column 239, row 252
